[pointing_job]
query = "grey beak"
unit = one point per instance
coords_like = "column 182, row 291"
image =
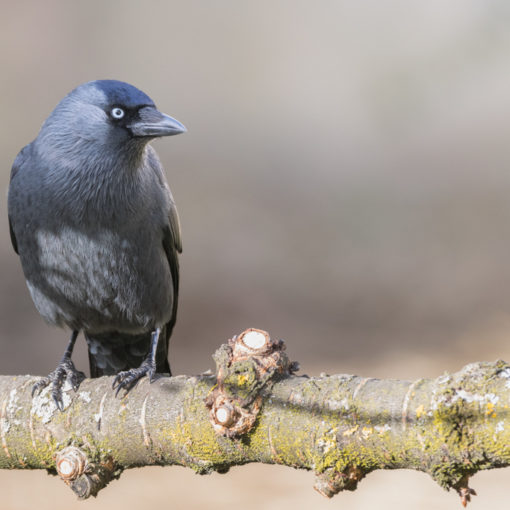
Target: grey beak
column 153, row 123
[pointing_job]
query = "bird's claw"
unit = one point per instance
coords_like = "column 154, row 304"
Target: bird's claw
column 65, row 371
column 127, row 379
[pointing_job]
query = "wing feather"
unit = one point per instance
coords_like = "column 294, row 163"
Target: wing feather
column 20, row 160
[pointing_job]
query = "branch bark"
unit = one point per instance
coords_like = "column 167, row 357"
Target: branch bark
column 340, row 426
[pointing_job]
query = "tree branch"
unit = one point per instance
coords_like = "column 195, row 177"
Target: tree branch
column 340, row 426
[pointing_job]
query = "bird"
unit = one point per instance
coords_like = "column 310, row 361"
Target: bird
column 96, row 228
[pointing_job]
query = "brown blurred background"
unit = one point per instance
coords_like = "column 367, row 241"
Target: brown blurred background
column 344, row 184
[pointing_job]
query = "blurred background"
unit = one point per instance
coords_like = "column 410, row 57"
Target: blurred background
column 344, row 184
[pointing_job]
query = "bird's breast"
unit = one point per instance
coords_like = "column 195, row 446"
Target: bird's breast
column 99, row 278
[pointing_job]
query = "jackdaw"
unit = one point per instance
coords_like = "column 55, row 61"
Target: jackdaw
column 96, row 229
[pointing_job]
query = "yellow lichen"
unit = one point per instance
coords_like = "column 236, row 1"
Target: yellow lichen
column 351, row 431
column 489, row 411
column 366, row 432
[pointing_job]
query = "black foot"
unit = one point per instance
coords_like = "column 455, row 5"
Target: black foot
column 127, row 379
column 64, row 371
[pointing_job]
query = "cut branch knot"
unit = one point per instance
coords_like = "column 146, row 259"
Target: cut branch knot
column 331, row 482
column 246, row 366
column 71, row 462
column 85, row 478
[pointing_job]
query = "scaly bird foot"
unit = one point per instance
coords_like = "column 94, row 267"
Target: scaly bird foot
column 127, row 379
column 65, row 371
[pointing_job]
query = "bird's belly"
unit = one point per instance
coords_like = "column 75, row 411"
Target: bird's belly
column 99, row 281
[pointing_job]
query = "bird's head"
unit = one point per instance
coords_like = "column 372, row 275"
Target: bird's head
column 110, row 114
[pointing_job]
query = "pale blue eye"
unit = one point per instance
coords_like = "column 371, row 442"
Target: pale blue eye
column 117, row 113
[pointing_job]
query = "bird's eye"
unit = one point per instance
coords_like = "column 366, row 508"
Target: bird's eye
column 117, row 113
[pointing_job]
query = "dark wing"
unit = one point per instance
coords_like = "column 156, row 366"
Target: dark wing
column 172, row 245
column 18, row 163
column 13, row 237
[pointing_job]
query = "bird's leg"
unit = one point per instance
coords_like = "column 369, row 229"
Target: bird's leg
column 65, row 371
column 128, row 378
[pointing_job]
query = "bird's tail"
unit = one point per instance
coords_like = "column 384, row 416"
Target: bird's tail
column 113, row 352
